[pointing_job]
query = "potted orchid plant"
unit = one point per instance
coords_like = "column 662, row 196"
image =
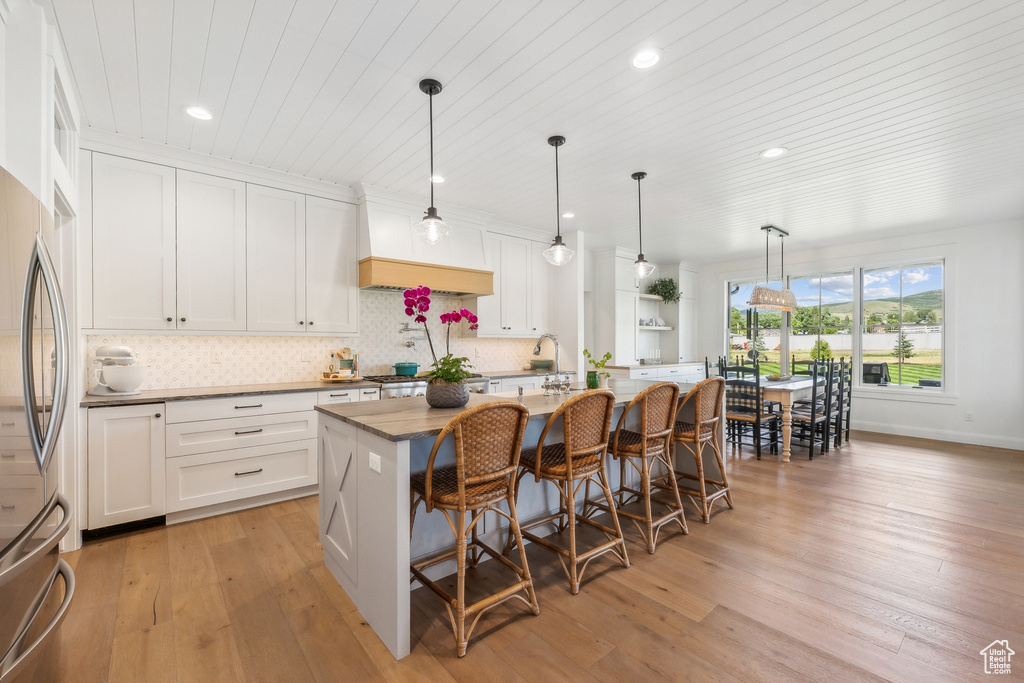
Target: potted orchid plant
column 447, row 385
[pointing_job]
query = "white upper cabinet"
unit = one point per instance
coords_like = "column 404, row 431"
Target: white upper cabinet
column 276, row 260
column 540, row 290
column 211, row 253
column 625, row 277
column 332, row 269
column 509, row 312
column 133, row 244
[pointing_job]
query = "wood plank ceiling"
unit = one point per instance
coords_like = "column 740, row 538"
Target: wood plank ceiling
column 900, row 117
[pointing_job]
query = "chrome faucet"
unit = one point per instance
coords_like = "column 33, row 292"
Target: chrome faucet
column 554, row 339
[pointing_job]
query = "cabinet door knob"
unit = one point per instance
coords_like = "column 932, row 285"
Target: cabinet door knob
column 310, row 323
column 182, row 320
column 169, row 319
column 302, row 322
column 157, row 415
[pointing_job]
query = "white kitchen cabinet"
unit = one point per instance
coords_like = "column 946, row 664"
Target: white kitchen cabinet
column 211, row 265
column 133, row 250
column 126, row 464
column 507, row 313
column 625, row 277
column 348, row 395
column 627, row 317
column 527, row 383
column 302, row 263
column 332, row 268
column 540, row 290
column 221, row 450
column 276, row 260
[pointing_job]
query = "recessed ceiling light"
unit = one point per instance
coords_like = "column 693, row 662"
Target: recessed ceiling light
column 568, row 214
column 646, row 58
column 774, row 152
column 437, row 179
column 199, row 113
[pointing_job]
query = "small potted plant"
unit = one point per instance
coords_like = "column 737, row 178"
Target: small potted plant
column 597, row 377
column 446, row 387
column 666, row 288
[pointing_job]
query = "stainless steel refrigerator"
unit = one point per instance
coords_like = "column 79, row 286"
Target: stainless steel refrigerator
column 36, row 585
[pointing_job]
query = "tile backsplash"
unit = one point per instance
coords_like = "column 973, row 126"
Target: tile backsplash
column 183, row 361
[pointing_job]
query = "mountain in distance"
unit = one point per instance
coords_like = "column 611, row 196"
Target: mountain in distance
column 932, row 299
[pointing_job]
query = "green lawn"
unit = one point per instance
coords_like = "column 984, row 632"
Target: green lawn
column 911, row 371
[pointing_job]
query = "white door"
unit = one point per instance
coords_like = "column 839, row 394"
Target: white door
column 126, row 464
column 626, row 326
column 332, row 266
column 540, row 289
column 515, row 287
column 275, row 260
column 488, row 308
column 132, row 244
column 211, row 252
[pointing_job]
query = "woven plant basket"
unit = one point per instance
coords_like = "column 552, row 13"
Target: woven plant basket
column 447, row 395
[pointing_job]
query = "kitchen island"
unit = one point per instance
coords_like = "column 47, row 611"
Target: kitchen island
column 367, row 453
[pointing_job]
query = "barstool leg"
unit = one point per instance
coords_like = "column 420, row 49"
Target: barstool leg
column 516, row 533
column 460, row 592
column 698, row 455
column 603, row 476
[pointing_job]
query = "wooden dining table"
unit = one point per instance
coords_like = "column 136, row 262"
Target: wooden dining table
column 786, row 392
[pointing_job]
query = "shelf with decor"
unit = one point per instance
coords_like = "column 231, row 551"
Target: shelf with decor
column 655, row 328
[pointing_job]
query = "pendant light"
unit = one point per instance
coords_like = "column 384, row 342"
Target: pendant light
column 641, row 267
column 557, row 254
column 432, row 229
column 766, row 297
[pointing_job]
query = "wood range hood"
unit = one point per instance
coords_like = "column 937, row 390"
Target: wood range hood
column 377, row 273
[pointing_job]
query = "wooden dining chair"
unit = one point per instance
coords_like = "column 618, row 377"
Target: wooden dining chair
column 842, row 428
column 572, row 464
column 487, row 442
column 810, row 419
column 646, row 451
column 745, row 412
column 706, row 400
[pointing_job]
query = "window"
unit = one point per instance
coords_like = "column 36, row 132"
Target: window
column 751, row 329
column 902, row 310
column 821, row 328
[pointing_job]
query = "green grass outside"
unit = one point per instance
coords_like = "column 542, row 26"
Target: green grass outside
column 923, row 365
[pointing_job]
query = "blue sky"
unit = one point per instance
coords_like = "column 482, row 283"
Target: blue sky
column 838, row 288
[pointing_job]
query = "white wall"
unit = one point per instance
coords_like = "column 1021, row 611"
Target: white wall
column 984, row 289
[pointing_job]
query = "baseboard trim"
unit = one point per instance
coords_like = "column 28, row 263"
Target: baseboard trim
column 236, row 505
column 941, row 435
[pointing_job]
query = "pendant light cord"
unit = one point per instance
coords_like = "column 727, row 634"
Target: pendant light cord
column 431, row 95
column 558, row 205
column 782, row 263
column 639, row 216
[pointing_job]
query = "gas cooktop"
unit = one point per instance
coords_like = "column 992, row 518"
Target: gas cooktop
column 395, row 379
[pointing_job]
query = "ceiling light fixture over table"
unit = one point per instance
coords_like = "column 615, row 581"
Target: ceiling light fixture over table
column 432, row 229
column 557, row 254
column 765, row 297
column 198, row 113
column 641, row 267
column 646, row 58
column 774, row 152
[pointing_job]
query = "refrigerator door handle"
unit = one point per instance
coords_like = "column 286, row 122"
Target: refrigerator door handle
column 29, row 532
column 41, row 267
column 9, row 672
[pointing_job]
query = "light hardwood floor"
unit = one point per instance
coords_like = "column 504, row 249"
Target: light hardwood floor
column 891, row 558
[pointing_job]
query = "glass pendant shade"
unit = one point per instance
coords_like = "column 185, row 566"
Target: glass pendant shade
column 432, row 229
column 642, row 268
column 764, row 297
column 558, row 254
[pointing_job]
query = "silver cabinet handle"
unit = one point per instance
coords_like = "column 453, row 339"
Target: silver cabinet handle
column 7, row 507
column 255, row 405
column 6, row 424
column 6, row 455
column 341, row 395
column 251, row 431
column 242, row 474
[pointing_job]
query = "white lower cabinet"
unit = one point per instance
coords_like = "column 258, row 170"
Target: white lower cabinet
column 126, row 464
column 226, row 449
column 348, row 395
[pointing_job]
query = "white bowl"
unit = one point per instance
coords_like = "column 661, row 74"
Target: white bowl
column 121, row 378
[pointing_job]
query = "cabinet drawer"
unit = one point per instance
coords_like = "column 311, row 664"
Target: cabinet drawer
column 644, row 373
column 22, row 499
column 190, row 438
column 13, row 422
column 198, row 480
column 369, row 394
column 337, row 396
column 16, row 456
column 239, row 406
column 671, row 373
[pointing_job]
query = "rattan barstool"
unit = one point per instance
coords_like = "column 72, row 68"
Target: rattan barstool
column 706, row 398
column 641, row 450
column 572, row 464
column 488, row 439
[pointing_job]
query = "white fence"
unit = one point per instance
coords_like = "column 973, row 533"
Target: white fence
column 923, row 339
